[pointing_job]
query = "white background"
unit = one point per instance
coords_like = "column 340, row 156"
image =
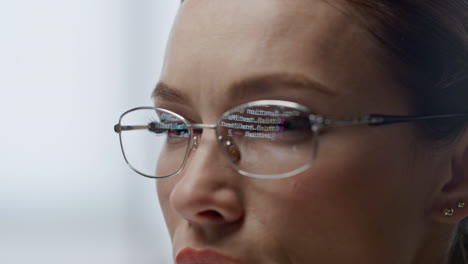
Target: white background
column 68, row 69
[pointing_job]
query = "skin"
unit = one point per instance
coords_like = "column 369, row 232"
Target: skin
column 374, row 194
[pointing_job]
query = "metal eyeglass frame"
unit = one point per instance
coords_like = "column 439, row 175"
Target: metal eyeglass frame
column 318, row 123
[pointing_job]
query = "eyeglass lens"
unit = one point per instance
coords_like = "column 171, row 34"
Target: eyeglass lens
column 159, row 149
column 269, row 139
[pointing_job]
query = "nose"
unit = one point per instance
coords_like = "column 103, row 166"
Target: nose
column 208, row 192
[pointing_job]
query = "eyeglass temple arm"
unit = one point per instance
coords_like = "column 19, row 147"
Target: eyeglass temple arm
column 118, row 128
column 379, row 120
column 400, row 119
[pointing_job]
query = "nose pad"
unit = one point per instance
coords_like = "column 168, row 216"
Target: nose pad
column 195, row 142
column 231, row 149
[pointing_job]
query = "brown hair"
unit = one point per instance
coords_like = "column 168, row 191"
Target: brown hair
column 427, row 44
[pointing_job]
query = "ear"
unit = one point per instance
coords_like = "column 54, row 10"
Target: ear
column 454, row 191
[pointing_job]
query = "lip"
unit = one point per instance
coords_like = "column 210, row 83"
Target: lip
column 203, row 256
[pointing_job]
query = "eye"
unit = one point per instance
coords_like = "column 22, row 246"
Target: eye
column 174, row 129
column 178, row 130
column 156, row 127
column 295, row 128
column 178, row 134
column 276, row 124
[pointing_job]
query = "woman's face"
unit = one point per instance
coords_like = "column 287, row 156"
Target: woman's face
column 365, row 198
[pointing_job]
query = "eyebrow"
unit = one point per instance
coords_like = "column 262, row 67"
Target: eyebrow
column 265, row 84
column 167, row 93
column 259, row 84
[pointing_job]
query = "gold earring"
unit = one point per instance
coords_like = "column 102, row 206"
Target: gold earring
column 461, row 204
column 449, row 212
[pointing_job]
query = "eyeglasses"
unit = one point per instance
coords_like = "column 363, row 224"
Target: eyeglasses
column 261, row 139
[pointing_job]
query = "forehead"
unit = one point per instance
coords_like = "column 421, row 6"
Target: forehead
column 252, row 32
column 215, row 43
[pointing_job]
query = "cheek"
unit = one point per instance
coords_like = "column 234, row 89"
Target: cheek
column 371, row 180
column 377, row 166
column 357, row 197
